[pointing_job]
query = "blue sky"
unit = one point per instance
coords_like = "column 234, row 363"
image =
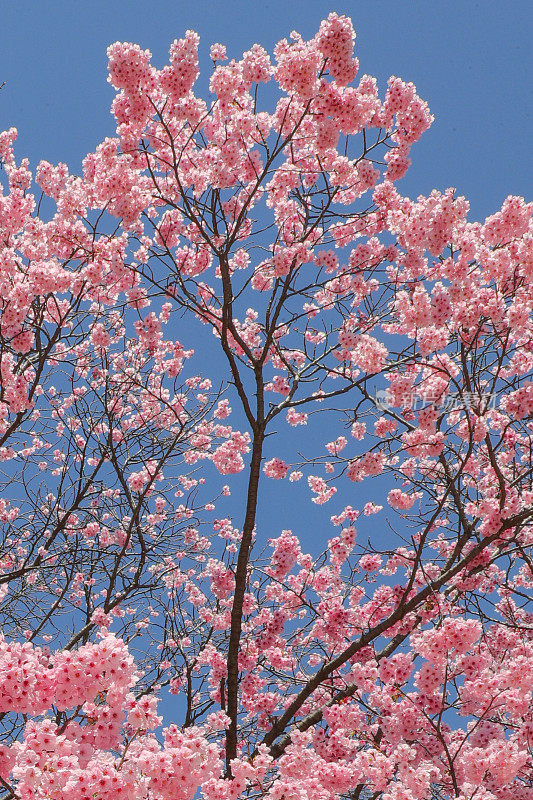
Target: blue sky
column 470, row 60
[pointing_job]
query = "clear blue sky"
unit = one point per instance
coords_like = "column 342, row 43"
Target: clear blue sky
column 470, row 60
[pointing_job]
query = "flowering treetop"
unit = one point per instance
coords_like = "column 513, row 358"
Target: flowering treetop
column 394, row 333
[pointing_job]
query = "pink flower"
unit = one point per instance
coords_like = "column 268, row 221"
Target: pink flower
column 217, row 52
column 400, row 500
column 276, row 468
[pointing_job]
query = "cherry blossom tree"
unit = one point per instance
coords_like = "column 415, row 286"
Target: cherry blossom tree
column 234, row 292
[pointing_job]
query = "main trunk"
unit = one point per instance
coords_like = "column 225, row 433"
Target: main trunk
column 240, row 588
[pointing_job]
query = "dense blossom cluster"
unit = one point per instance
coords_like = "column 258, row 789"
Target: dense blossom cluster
column 99, row 752
column 395, row 334
column 32, row 680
